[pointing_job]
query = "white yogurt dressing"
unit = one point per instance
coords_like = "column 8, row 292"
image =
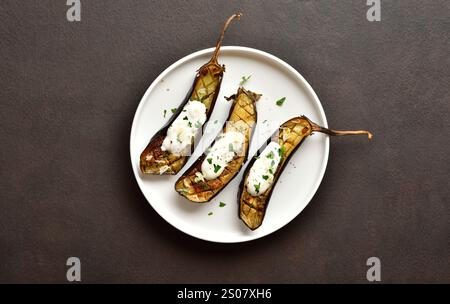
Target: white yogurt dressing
column 184, row 127
column 221, row 153
column 261, row 174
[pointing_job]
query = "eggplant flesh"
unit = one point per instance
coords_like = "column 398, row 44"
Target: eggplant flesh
column 206, row 87
column 242, row 118
column 290, row 135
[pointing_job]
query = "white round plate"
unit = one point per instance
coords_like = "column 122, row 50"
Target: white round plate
column 271, row 77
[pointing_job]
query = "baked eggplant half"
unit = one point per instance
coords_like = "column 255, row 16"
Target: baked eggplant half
column 170, row 148
column 264, row 169
column 224, row 158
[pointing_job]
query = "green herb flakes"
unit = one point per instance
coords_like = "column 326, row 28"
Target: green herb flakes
column 244, row 79
column 280, row 101
column 282, row 151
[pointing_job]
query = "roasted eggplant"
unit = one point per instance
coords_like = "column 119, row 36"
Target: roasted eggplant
column 156, row 159
column 266, row 166
column 222, row 161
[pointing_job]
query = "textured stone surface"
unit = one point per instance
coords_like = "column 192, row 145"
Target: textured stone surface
column 68, row 93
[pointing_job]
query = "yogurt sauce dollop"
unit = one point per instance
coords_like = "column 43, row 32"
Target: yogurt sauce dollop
column 221, row 153
column 261, row 174
column 182, row 130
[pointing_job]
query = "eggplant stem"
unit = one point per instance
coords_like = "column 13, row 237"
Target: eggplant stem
column 317, row 128
column 222, row 34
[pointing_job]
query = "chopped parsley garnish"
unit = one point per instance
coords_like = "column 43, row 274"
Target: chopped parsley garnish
column 165, row 112
column 216, row 121
column 265, row 177
column 272, row 163
column 185, row 118
column 244, row 79
column 257, row 187
column 209, row 161
column 280, row 101
column 198, row 124
column 270, row 155
column 270, row 171
column 265, row 121
column 222, row 204
column 281, row 151
column 174, row 110
column 230, row 147
column 190, row 124
column 210, row 213
column 216, row 168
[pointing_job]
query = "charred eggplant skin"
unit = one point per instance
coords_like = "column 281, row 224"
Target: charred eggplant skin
column 290, row 136
column 204, row 191
column 206, row 87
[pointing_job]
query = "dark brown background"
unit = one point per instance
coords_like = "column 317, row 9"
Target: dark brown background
column 68, row 95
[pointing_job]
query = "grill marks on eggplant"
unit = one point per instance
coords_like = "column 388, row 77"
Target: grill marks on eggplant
column 252, row 208
column 242, row 118
column 205, row 88
column 291, row 134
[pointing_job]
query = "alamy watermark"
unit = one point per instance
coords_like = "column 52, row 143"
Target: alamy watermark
column 374, row 11
column 73, row 274
column 374, row 272
column 74, row 11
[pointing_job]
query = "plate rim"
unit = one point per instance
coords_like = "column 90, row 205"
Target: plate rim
column 248, row 50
